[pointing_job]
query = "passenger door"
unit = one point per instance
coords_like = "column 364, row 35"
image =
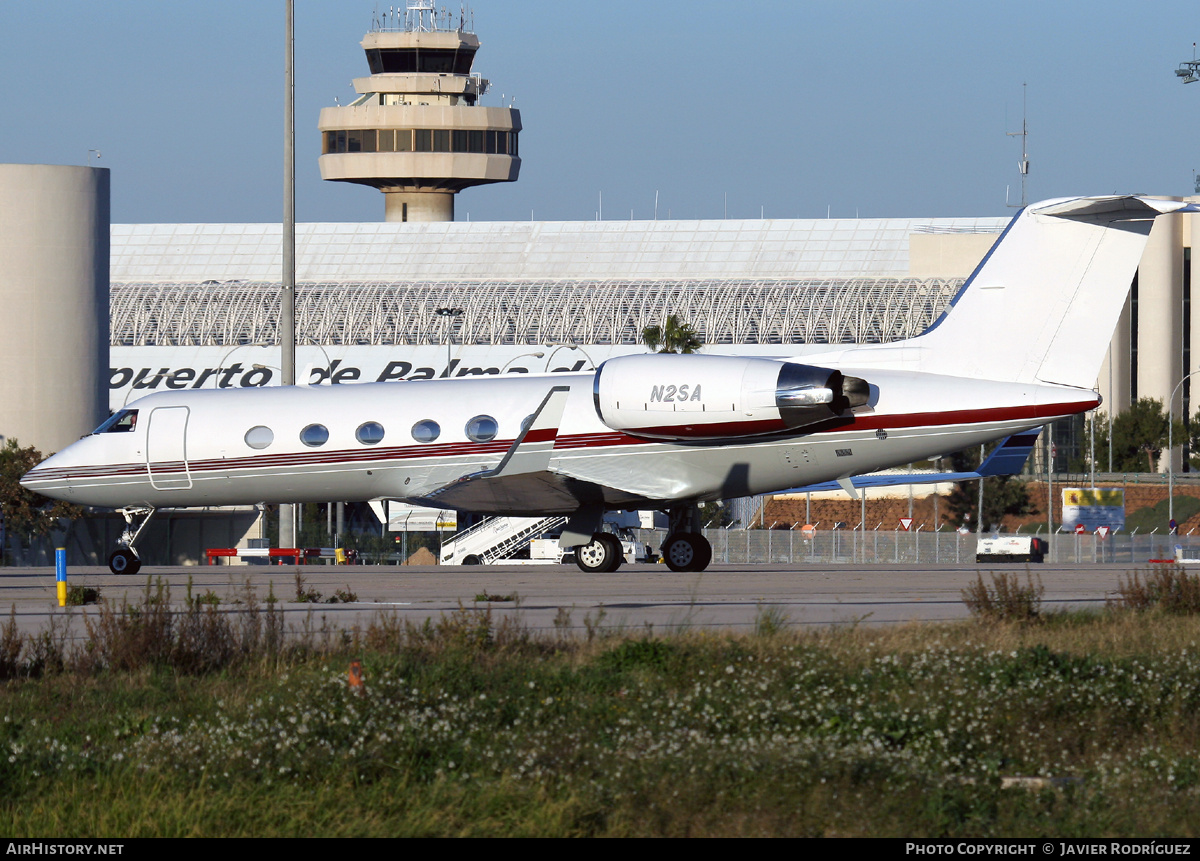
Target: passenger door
column 166, row 449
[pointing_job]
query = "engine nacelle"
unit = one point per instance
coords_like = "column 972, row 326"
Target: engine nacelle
column 686, row 397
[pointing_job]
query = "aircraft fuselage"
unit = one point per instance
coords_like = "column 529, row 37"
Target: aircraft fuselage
column 378, row 440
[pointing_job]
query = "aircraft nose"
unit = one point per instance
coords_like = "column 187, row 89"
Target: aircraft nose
column 51, row 475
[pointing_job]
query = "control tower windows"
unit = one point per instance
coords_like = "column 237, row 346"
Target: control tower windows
column 360, row 140
column 443, row 61
column 420, row 140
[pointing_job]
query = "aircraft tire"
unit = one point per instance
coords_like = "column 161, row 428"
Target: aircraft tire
column 679, row 552
column 687, row 551
column 124, row 560
column 616, row 551
column 601, row 556
column 703, row 551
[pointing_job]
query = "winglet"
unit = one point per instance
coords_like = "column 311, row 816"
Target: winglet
column 846, row 483
column 1009, row 457
column 543, row 427
column 522, row 455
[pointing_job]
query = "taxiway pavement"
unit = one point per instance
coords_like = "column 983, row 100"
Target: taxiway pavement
column 546, row 597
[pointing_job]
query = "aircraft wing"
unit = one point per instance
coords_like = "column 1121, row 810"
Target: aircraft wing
column 1008, row 458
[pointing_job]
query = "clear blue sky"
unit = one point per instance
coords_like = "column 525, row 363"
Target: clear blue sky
column 791, row 108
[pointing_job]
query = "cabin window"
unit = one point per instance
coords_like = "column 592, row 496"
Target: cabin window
column 314, row 435
column 122, row 421
column 370, row 433
column 482, row 429
column 426, row 431
column 259, row 437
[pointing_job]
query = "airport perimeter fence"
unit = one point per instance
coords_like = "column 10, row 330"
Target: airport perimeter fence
column 897, row 547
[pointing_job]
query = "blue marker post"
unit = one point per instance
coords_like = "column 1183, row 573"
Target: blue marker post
column 60, row 574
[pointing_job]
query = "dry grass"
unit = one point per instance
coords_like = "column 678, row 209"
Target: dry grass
column 1169, row 589
column 1006, row 600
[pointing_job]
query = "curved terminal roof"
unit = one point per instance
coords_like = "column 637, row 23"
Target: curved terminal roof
column 534, row 250
column 763, row 281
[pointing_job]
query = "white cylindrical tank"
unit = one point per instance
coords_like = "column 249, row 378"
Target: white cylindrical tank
column 1160, row 324
column 54, row 251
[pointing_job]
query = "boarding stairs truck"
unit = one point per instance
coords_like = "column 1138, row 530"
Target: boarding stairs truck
column 534, row 540
column 496, row 539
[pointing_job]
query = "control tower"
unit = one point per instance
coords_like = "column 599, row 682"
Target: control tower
column 417, row 131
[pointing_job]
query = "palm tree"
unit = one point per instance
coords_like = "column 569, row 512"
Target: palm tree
column 672, row 337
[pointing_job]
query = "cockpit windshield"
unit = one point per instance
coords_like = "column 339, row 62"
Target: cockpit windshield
column 121, row 421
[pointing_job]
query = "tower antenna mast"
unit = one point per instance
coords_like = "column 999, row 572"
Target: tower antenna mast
column 1023, row 134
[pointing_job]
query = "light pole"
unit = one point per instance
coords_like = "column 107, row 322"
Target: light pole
column 522, row 356
column 1188, row 73
column 1171, row 446
column 287, row 298
column 449, row 314
column 568, row 347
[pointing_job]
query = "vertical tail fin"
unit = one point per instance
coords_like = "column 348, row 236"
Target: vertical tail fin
column 1043, row 304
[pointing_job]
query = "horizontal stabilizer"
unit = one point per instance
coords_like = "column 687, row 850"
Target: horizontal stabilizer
column 1104, row 207
column 1008, row 458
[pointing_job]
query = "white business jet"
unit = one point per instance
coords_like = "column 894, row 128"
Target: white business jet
column 1020, row 346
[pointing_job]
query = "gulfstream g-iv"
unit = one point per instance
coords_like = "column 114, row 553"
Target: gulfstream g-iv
column 1021, row 345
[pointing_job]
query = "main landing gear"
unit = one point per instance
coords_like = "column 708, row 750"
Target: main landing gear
column 125, row 559
column 687, row 551
column 685, row 548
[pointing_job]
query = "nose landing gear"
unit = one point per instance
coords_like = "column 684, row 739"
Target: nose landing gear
column 125, row 559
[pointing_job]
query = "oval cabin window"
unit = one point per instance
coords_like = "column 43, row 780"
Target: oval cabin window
column 370, row 433
column 314, row 435
column 482, row 429
column 259, row 437
column 426, row 431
